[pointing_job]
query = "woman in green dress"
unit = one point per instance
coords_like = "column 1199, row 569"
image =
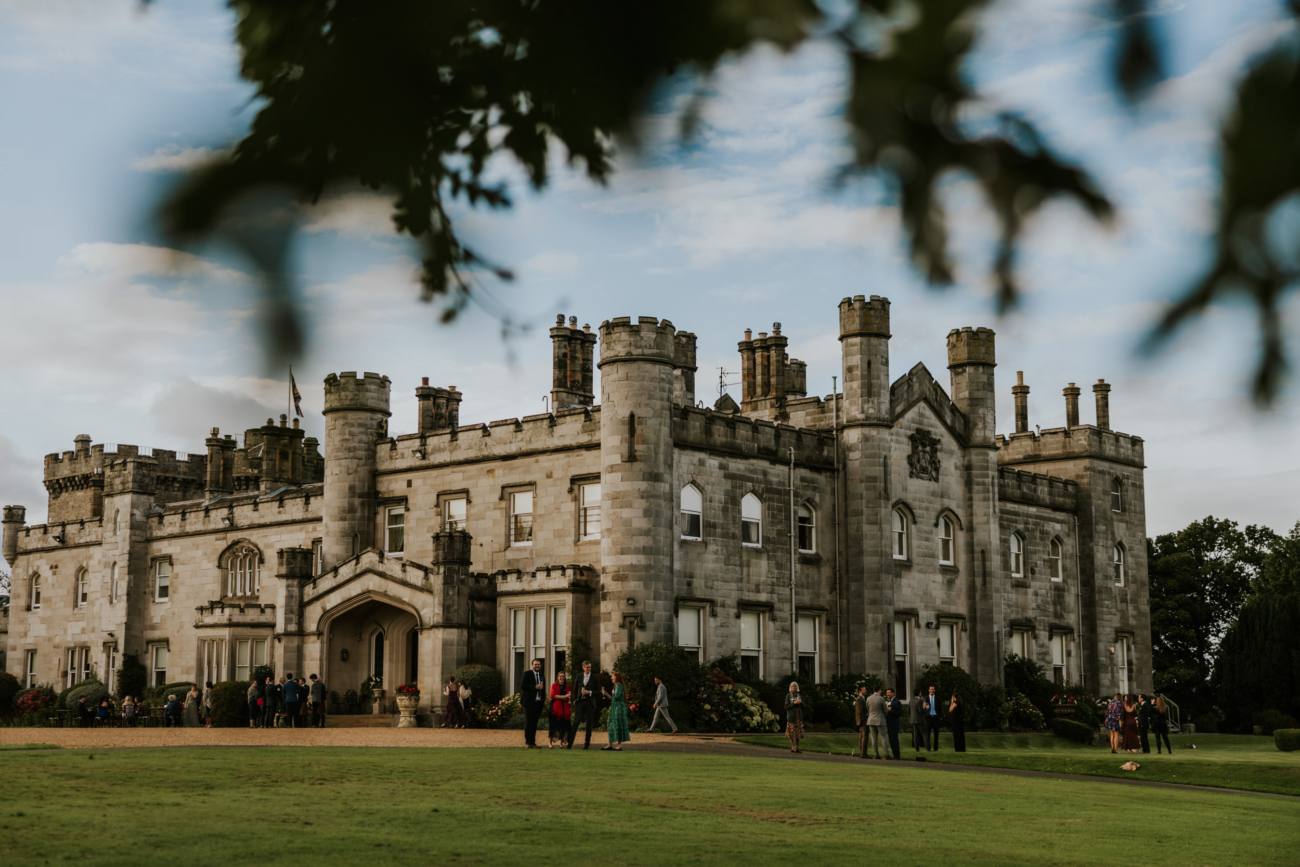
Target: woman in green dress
column 192, row 701
column 618, row 732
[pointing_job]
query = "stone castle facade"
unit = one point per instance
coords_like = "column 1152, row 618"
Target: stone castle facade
column 878, row 530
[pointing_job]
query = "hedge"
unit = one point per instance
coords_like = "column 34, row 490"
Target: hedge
column 1074, row 731
column 230, row 703
column 681, row 674
column 1287, row 740
column 179, row 689
column 9, row 688
column 483, row 680
column 93, row 690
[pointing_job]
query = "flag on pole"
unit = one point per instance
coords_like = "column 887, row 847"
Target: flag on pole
column 297, row 398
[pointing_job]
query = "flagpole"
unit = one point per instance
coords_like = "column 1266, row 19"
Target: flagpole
column 290, row 406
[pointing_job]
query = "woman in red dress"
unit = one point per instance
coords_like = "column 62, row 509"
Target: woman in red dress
column 453, row 714
column 560, row 711
column 1129, row 717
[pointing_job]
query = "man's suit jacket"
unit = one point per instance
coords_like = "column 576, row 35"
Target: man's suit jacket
column 893, row 713
column 1144, row 715
column 661, row 695
column 875, row 709
column 528, row 687
column 317, row 692
column 593, row 684
column 860, row 710
column 914, row 709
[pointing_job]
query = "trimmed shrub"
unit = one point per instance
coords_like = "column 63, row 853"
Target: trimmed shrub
column 502, row 714
column 94, row 692
column 132, row 678
column 230, row 703
column 1074, row 731
column 640, row 665
column 35, row 700
column 1024, row 716
column 484, row 682
column 9, row 688
column 1271, row 720
column 1030, row 680
column 1287, row 740
column 179, row 689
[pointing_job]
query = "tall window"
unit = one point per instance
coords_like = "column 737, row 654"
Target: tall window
column 751, row 521
column 78, row 668
column 1020, row 644
column 807, row 530
column 1124, row 662
column 521, row 519
column 117, row 521
column 537, row 635
column 807, row 630
column 114, row 591
column 395, row 530
column 1058, row 658
column 751, row 643
column 35, row 594
column 692, row 513
column 249, row 654
column 162, row 581
column 111, row 658
column 902, row 648
column 518, row 647
column 377, row 655
column 83, row 588
column 454, row 514
column 1116, row 495
column 690, row 631
column 1054, row 560
column 948, row 643
column 589, row 512
column 159, row 659
column 559, row 638
column 29, row 669
column 1119, row 565
column 317, row 557
column 945, row 541
column 900, row 534
column 1017, row 555
column 538, row 632
column 243, row 576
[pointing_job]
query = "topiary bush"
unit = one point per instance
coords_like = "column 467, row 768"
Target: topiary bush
column 484, row 681
column 230, row 703
column 1074, row 731
column 35, row 700
column 92, row 690
column 132, row 678
column 1271, row 720
column 178, row 689
column 1287, row 740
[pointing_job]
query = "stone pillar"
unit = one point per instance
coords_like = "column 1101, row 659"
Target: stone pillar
column 355, row 407
column 1020, row 392
column 1101, row 391
column 1071, row 393
column 293, row 568
column 638, row 500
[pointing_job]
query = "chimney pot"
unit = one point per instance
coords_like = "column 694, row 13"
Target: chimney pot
column 559, row 319
column 749, row 335
column 573, row 322
column 424, row 380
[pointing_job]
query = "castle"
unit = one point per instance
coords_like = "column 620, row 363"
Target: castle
column 877, row 530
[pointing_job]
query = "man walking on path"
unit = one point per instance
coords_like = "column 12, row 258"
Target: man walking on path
column 532, row 695
column 893, row 721
column 586, row 687
column 860, row 715
column 661, row 707
column 876, row 719
column 933, row 720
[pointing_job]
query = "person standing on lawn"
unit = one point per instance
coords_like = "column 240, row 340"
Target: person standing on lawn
column 860, row 714
column 618, row 733
column 207, row 704
column 254, row 706
column 957, row 722
column 876, row 720
column 1144, row 722
column 584, row 704
column 893, row 722
column 270, row 702
column 917, row 711
column 933, row 720
column 1129, row 717
column 661, row 708
column 193, row 713
column 316, row 696
column 1113, row 710
column 561, row 714
column 1160, row 722
column 794, row 717
column 289, row 690
column 532, row 695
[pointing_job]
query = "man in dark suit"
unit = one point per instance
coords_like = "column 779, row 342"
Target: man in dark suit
column 289, row 690
column 894, row 722
column 933, row 721
column 1144, row 722
column 532, row 696
column 860, row 715
column 586, row 689
column 316, row 696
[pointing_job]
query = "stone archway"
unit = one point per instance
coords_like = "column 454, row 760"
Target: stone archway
column 373, row 635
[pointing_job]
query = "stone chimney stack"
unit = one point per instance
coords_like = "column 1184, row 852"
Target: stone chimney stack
column 573, row 353
column 1021, row 393
column 1071, row 393
column 83, row 445
column 1102, row 392
column 14, row 518
column 221, row 465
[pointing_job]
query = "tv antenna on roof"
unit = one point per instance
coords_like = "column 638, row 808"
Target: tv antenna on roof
column 722, row 380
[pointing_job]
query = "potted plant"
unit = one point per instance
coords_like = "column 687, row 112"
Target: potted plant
column 408, row 699
column 373, row 687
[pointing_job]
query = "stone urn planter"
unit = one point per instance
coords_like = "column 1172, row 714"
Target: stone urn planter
column 380, row 705
column 407, row 705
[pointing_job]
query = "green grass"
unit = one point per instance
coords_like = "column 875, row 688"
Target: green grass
column 30, row 747
column 1228, row 761
column 482, row 806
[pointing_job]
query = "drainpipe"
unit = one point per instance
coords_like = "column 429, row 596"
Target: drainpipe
column 1078, row 603
column 794, row 626
column 839, row 603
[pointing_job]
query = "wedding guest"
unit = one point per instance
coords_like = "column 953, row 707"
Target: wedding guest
column 1160, row 724
column 270, row 702
column 917, row 711
column 193, row 714
column 290, row 696
column 957, row 722
column 860, row 715
column 661, row 708
column 1113, row 710
column 453, row 713
column 933, row 720
column 207, row 704
column 1128, row 717
column 102, row 713
column 304, row 701
column 84, row 714
column 172, row 711
column 618, row 733
column 893, row 722
column 532, row 698
column 254, row 706
column 560, row 712
column 128, row 711
column 794, row 717
column 467, row 701
column 876, row 720
column 316, row 698
column 1144, row 722
column 585, row 691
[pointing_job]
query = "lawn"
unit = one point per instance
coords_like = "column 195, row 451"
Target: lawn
column 1229, row 761
column 235, row 805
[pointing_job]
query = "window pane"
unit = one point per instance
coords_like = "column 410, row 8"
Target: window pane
column 559, row 626
column 691, row 499
column 751, row 508
column 751, row 631
column 807, row 633
column 806, row 527
column 259, row 652
column 539, row 629
column 1058, row 650
column 521, row 503
column 691, row 525
column 749, row 532
column 900, row 637
column 688, row 627
column 591, row 494
column 589, row 516
column 517, row 624
column 946, row 640
column 456, row 513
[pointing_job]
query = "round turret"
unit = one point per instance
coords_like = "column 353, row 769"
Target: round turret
column 355, row 410
column 864, row 348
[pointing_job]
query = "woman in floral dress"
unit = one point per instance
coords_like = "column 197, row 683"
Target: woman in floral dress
column 1113, row 711
column 618, row 731
column 794, row 717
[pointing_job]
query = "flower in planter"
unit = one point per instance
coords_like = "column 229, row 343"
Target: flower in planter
column 407, row 689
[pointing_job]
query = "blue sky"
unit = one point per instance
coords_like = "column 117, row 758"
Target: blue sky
column 103, row 332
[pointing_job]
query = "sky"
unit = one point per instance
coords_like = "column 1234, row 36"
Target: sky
column 104, row 331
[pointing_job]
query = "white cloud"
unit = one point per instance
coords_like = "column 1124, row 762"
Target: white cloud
column 355, row 215
column 127, row 261
column 552, row 263
column 175, row 158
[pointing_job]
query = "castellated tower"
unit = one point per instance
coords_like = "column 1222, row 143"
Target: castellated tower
column 356, row 409
column 638, row 503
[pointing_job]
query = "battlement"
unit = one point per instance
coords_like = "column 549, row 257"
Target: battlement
column 553, row 578
column 750, row 437
column 917, row 385
column 860, row 316
column 369, row 392
column 971, row 346
column 647, row 339
column 497, row 440
column 1063, row 444
column 1037, row 489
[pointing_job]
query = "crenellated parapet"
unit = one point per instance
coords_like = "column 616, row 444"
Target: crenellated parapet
column 739, row 436
column 646, row 340
column 1037, row 489
column 1062, row 444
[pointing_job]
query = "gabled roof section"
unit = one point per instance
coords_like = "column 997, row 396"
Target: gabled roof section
column 917, row 386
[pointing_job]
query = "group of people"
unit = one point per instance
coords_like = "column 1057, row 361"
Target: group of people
column 194, row 711
column 290, row 703
column 1131, row 719
column 458, row 709
column 880, row 718
column 569, row 706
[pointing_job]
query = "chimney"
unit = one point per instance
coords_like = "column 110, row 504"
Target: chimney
column 424, row 402
column 1102, row 392
column 1071, row 393
column 83, row 445
column 1021, row 392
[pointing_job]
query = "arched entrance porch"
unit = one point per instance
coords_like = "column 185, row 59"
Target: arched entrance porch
column 371, row 637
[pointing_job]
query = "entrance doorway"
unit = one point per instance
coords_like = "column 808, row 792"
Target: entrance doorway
column 370, row 639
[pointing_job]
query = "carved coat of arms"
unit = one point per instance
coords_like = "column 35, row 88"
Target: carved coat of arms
column 924, row 459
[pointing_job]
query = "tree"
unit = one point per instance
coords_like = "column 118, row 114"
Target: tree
column 415, row 99
column 1200, row 576
column 6, row 583
column 1279, row 574
column 1258, row 664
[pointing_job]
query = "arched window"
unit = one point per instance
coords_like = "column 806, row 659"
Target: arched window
column 377, row 656
column 113, row 589
column 901, row 542
column 1116, row 495
column 35, row 592
column 692, row 513
column 243, row 577
column 751, row 521
column 807, row 529
column 1054, row 560
column 946, row 546
column 117, row 521
column 1119, row 565
column 82, row 588
column 1017, row 555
